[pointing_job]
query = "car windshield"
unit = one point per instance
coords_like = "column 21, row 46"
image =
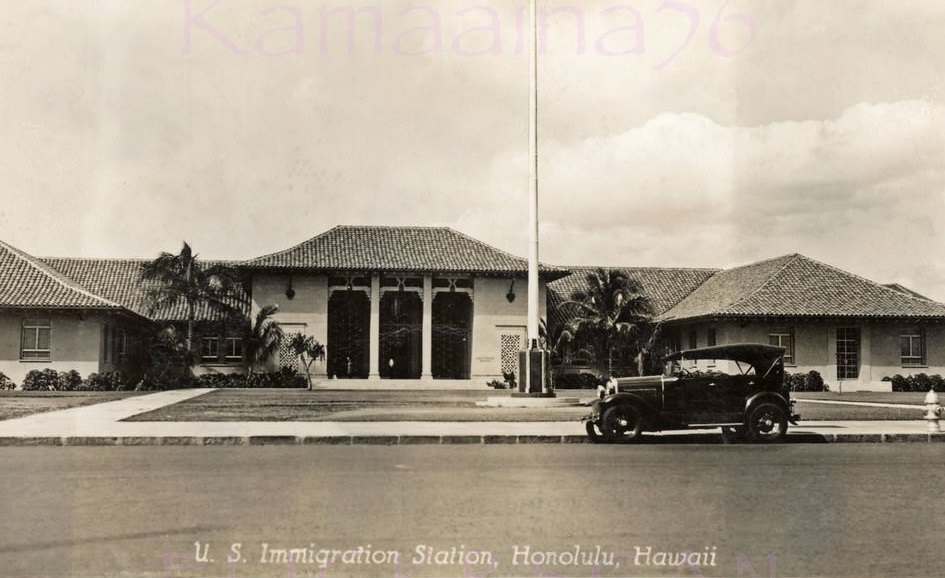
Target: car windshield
column 717, row 367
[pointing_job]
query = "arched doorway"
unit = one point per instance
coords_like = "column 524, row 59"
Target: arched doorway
column 452, row 335
column 400, row 335
column 349, row 318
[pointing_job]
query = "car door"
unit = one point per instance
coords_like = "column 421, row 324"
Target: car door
column 701, row 405
column 727, row 395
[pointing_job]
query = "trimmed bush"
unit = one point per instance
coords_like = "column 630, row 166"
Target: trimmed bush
column 285, row 377
column 41, row 380
column 810, row 381
column 70, row 380
column 920, row 382
column 6, row 383
column 109, row 381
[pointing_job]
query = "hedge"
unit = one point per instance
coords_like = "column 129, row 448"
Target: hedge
column 52, row 380
column 917, row 382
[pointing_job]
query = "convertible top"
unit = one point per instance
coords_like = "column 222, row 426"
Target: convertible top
column 758, row 354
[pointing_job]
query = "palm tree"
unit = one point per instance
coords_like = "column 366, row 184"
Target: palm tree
column 612, row 312
column 264, row 338
column 308, row 350
column 184, row 279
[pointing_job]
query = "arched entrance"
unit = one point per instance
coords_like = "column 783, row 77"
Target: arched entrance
column 400, row 335
column 452, row 335
column 349, row 318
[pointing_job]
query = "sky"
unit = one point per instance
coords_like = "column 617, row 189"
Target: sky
column 682, row 133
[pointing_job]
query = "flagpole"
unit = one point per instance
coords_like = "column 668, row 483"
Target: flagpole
column 533, row 376
column 533, row 180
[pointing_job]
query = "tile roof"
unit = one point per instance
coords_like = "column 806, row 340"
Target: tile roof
column 905, row 290
column 28, row 282
column 117, row 281
column 797, row 286
column 665, row 286
column 408, row 249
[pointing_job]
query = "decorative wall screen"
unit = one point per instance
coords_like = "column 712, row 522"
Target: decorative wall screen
column 511, row 341
column 287, row 357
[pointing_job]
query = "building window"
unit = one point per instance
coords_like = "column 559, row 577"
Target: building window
column 848, row 353
column 710, row 339
column 693, row 340
column 233, row 349
column 122, row 344
column 912, row 344
column 210, row 349
column 784, row 337
column 35, row 339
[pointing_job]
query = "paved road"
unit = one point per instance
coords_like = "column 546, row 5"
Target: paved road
column 786, row 510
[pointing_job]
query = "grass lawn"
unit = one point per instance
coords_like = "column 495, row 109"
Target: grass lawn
column 20, row 403
column 426, row 405
column 817, row 412
column 347, row 405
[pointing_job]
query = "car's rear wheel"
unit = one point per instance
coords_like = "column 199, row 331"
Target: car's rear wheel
column 767, row 422
column 622, row 423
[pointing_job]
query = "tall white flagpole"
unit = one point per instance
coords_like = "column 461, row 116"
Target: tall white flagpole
column 533, row 181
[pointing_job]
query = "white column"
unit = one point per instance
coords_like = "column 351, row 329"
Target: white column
column 426, row 351
column 374, row 335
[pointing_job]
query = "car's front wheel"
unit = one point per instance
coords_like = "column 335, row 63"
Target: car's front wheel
column 622, row 423
column 767, row 422
column 593, row 433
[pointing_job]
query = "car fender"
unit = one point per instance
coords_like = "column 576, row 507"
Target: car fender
column 626, row 397
column 764, row 397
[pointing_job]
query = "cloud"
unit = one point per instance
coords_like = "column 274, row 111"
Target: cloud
column 865, row 191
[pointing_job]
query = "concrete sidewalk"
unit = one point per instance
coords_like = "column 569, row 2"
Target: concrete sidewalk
column 100, row 425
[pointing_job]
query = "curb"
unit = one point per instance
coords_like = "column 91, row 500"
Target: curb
column 394, row 440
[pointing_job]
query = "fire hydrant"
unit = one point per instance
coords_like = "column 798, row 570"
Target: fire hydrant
column 934, row 411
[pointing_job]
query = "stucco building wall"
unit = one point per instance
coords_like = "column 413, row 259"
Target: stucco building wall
column 815, row 348
column 75, row 343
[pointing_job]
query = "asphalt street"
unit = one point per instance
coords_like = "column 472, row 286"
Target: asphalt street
column 530, row 510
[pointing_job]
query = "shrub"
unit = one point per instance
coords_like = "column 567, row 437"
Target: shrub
column 577, row 381
column 6, row 383
column 919, row 382
column 221, row 380
column 69, row 380
column 496, row 384
column 285, row 377
column 41, row 380
column 108, row 381
column 810, row 381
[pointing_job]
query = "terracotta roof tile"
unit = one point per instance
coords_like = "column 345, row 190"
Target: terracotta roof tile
column 362, row 248
column 117, row 280
column 28, row 282
column 797, row 286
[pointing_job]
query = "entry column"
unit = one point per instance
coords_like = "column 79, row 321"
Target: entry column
column 374, row 334
column 426, row 349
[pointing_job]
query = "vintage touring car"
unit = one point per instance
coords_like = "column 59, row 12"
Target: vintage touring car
column 739, row 388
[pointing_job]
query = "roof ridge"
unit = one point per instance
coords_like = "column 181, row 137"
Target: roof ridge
column 789, row 258
column 88, row 259
column 56, row 275
column 875, row 284
column 493, row 247
column 646, row 267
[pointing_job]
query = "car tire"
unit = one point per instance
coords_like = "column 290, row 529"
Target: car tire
column 593, row 433
column 767, row 422
column 622, row 422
